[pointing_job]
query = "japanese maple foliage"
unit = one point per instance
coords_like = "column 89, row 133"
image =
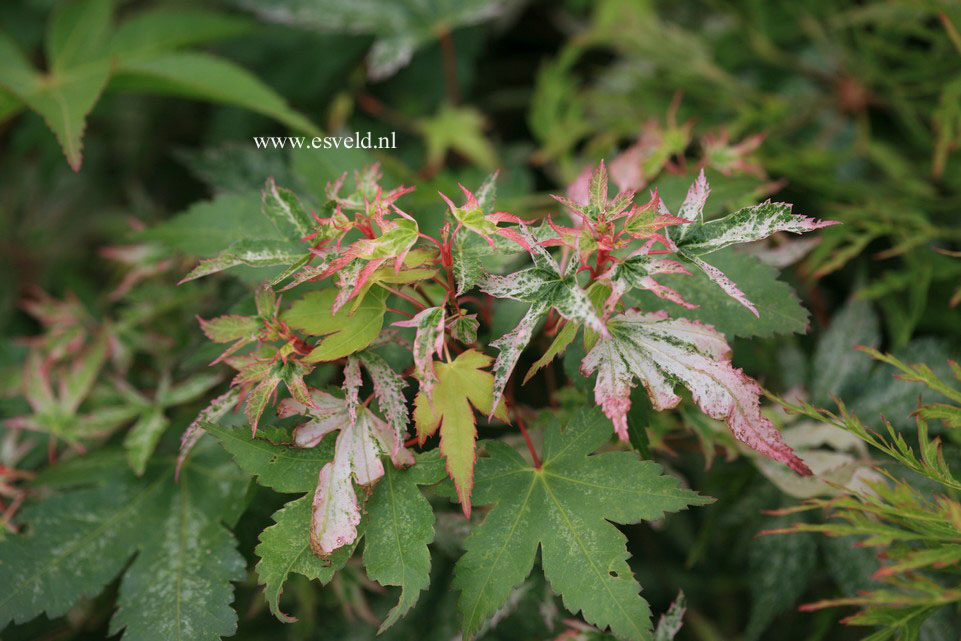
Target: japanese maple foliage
column 612, row 246
column 364, row 262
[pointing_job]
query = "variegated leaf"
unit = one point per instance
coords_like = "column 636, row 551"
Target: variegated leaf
column 363, row 438
column 255, row 253
column 285, row 211
column 351, row 387
column 215, row 410
column 744, row 226
column 464, row 328
column 661, row 352
column 389, row 391
column 428, row 341
column 637, row 271
column 544, row 286
column 692, row 209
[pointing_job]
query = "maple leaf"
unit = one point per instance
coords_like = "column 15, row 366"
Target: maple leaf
column 461, row 384
column 361, row 440
column 428, row 341
column 745, row 225
column 291, row 220
column 545, row 286
column 389, row 392
column 167, row 540
column 661, row 352
column 342, row 332
column 566, row 507
column 238, row 330
column 473, row 217
column 641, row 162
column 636, row 271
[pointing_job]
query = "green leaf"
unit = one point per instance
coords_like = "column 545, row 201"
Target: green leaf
column 76, row 33
column 166, row 28
column 400, row 525
column 282, row 468
column 284, row 548
column 179, row 585
column 462, row 385
column 207, row 77
column 143, row 436
column 564, row 337
column 208, row 227
column 342, row 333
column 566, row 507
column 779, row 310
column 77, row 541
column 63, row 98
column 459, row 129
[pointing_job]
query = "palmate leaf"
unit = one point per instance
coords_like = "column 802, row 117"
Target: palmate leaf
column 745, row 225
column 662, row 352
column 77, row 541
column 361, row 440
column 779, row 309
column 84, row 53
column 462, row 386
column 400, row 526
column 565, row 508
column 545, row 286
column 279, row 467
column 342, row 333
column 63, row 98
column 284, row 549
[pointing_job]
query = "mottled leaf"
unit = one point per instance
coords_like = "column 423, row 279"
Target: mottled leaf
column 566, row 507
column 662, row 352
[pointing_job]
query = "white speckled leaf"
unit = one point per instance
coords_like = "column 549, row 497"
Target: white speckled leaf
column 511, row 345
column 401, row 525
column 215, row 410
column 636, row 271
column 178, row 585
column 255, row 253
column 351, row 387
column 693, row 206
column 544, row 287
column 389, row 391
column 285, row 211
column 429, row 340
column 744, row 226
column 661, row 352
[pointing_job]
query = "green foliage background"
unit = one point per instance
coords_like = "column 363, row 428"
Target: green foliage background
column 860, row 106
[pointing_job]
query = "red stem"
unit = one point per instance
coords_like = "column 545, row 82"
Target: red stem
column 527, row 439
column 410, row 299
column 397, row 311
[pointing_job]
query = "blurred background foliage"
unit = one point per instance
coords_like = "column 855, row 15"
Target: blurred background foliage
column 850, row 110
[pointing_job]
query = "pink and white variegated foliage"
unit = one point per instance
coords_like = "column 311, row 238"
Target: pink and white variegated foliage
column 581, row 276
